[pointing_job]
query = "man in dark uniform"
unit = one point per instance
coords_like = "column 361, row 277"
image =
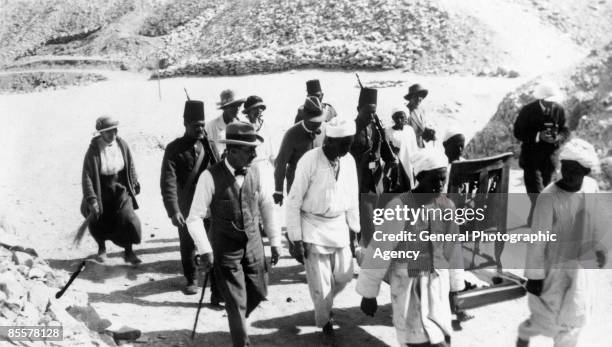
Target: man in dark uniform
column 300, row 138
column 178, row 180
column 231, row 191
column 541, row 128
column 368, row 148
column 313, row 88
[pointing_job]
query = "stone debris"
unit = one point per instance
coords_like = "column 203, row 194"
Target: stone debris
column 27, row 295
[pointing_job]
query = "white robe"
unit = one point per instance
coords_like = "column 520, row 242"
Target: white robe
column 421, row 309
column 566, row 297
column 405, row 140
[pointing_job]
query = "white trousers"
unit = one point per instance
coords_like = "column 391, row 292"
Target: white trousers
column 562, row 336
column 327, row 275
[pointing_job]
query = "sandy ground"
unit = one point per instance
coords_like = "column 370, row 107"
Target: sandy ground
column 44, row 146
column 46, row 135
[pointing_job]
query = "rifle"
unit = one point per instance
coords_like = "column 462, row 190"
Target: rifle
column 386, row 146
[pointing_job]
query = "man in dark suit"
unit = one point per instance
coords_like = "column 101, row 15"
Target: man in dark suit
column 181, row 168
column 541, row 128
column 231, row 193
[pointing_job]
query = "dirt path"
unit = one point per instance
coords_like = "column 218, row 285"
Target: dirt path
column 49, row 132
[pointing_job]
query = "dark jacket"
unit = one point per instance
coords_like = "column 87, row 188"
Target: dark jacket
column 368, row 149
column 296, row 142
column 91, row 175
column 534, row 118
column 179, row 159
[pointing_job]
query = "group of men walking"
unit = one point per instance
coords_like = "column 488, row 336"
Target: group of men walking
column 221, row 180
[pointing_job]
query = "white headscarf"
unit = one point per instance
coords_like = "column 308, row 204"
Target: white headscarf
column 580, row 151
column 340, row 128
column 429, row 159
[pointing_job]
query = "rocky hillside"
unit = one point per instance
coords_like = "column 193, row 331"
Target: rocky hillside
column 235, row 37
column 251, row 36
column 587, row 91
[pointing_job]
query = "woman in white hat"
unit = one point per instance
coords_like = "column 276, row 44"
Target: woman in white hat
column 110, row 186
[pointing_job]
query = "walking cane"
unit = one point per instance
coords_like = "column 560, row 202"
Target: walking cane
column 72, row 278
column 195, row 324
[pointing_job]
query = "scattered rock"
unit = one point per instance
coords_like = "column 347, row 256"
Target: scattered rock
column 21, row 258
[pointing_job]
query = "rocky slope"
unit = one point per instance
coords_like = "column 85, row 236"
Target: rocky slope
column 587, row 90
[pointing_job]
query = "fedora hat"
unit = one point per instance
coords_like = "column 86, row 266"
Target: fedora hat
column 228, row 98
column 252, row 102
column 416, row 89
column 105, row 123
column 194, row 111
column 313, row 87
column 241, row 133
column 313, row 110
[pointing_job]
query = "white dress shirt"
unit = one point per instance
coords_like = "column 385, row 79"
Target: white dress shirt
column 215, row 129
column 204, row 192
column 320, row 208
column 111, row 158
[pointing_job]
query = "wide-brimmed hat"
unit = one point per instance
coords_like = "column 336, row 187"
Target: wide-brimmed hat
column 368, row 96
column 547, row 91
column 251, row 102
column 313, row 87
column 105, row 123
column 241, row 133
column 416, row 89
column 194, row 111
column 313, row 110
column 228, row 98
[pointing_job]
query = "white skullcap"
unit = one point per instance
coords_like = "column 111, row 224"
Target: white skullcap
column 396, row 110
column 340, row 128
column 429, row 159
column 452, row 132
column 580, row 151
column 546, row 90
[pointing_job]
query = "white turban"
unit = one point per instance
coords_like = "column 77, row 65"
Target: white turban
column 580, row 151
column 429, row 159
column 340, row 128
column 547, row 90
column 452, row 132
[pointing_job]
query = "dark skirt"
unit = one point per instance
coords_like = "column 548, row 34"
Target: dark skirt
column 118, row 222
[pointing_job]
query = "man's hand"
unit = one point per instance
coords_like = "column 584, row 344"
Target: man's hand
column 278, row 198
column 547, row 136
column 535, row 287
column 95, row 209
column 178, row 220
column 602, row 258
column 204, row 261
column 369, row 306
column 300, row 251
column 429, row 134
column 275, row 255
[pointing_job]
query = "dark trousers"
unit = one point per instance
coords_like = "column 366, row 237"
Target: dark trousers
column 240, row 270
column 536, row 179
column 187, row 249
